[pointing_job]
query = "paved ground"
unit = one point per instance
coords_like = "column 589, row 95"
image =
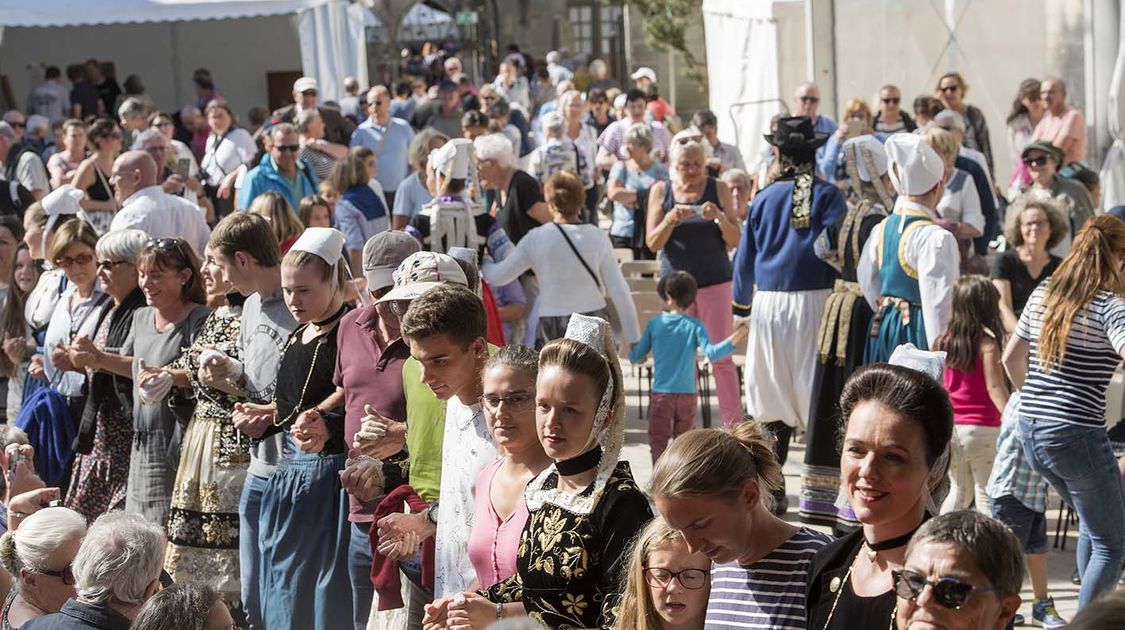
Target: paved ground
column 1060, row 562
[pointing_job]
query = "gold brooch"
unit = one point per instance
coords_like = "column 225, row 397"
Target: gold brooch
column 834, row 585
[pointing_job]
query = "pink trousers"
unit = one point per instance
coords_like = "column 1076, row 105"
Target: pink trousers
column 713, row 307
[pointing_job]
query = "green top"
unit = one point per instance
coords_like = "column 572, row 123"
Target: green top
column 425, row 421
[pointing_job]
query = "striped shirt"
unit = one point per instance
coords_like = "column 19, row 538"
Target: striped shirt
column 1074, row 393
column 768, row 594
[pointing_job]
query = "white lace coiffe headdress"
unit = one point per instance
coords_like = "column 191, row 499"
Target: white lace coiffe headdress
column 608, row 431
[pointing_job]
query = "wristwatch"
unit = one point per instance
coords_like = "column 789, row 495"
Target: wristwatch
column 432, row 513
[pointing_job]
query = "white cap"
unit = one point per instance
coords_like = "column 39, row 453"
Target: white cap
column 327, row 243
column 950, row 120
column 452, row 158
column 915, row 168
column 424, row 271
column 304, row 83
column 867, row 145
column 644, row 72
column 63, row 200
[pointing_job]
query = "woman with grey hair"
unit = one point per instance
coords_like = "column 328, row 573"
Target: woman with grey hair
column 628, row 185
column 117, row 568
column 692, row 220
column 413, row 193
column 184, row 607
column 105, row 430
column 973, row 567
column 321, row 154
column 38, row 556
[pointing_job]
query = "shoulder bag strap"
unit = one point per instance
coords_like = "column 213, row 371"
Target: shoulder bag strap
column 579, row 256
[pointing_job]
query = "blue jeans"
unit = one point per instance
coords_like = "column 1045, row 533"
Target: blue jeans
column 1079, row 464
column 249, row 509
column 359, row 566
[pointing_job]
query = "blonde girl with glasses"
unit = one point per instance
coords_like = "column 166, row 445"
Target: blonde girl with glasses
column 667, row 585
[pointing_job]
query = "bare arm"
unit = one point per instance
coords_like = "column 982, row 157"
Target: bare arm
column 604, row 159
column 658, row 226
column 399, row 222
column 994, row 374
column 1016, row 360
column 511, row 312
column 1007, row 313
column 337, row 151
column 617, row 191
column 727, row 219
column 540, row 212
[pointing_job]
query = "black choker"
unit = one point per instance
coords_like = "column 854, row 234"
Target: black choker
column 896, row 542
column 580, row 464
column 324, row 322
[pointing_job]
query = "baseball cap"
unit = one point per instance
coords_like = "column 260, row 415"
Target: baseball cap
column 383, row 253
column 644, row 72
column 1046, row 147
column 304, row 84
column 421, row 272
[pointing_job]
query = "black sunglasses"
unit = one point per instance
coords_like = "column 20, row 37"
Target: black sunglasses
column 810, row 99
column 896, row 100
column 169, row 245
column 18, row 124
column 950, row 88
column 288, row 147
column 66, row 575
column 1039, row 160
column 110, row 264
column 949, row 592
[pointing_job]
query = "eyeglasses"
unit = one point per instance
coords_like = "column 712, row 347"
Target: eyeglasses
column 308, row 93
column 66, row 575
column 162, row 123
column 810, row 99
column 1041, row 223
column 110, row 264
column 949, row 88
column 66, row 262
column 949, row 592
column 516, row 401
column 896, row 100
column 691, row 579
column 292, row 148
column 1038, row 160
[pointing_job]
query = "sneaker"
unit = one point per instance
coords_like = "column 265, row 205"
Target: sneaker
column 1043, row 613
column 1075, row 578
column 1018, row 620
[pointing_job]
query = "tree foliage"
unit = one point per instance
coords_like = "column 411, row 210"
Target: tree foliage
column 665, row 23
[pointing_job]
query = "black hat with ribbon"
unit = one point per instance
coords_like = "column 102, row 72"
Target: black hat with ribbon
column 796, row 135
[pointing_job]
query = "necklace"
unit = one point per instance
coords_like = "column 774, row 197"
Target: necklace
column 320, row 341
column 580, row 464
column 838, row 585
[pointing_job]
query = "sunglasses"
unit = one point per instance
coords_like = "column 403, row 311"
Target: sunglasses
column 949, row 88
column 1040, row 160
column 896, row 100
column 66, row 575
column 169, row 245
column 110, row 264
column 810, row 99
column 162, row 123
column 19, row 125
column 66, row 262
column 691, row 579
column 292, row 148
column 308, row 93
column 949, row 592
column 516, row 401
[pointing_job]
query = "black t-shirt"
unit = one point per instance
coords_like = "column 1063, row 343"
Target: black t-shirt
column 523, row 193
column 84, row 95
column 108, row 91
column 14, row 198
column 1008, row 266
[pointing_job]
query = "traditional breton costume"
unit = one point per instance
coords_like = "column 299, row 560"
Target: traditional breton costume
column 304, row 529
column 575, row 547
column 777, row 272
column 909, row 264
column 844, row 330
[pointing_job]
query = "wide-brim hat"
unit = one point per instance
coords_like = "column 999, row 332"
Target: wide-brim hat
column 796, row 134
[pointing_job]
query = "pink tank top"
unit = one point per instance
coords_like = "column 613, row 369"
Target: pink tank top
column 968, row 391
column 493, row 542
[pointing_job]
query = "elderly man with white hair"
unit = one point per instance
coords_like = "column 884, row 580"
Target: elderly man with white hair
column 558, row 72
column 116, row 571
column 174, row 181
column 22, row 164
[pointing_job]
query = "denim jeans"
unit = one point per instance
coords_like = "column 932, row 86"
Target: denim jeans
column 1079, row 464
column 359, row 567
column 249, row 509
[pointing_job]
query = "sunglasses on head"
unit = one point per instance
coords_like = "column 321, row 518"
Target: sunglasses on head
column 810, row 99
column 949, row 592
column 896, row 100
column 168, row 245
column 292, row 148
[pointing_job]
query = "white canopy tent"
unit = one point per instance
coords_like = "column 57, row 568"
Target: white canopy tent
column 163, row 40
column 421, row 22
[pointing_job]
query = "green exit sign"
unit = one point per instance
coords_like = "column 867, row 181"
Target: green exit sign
column 467, row 18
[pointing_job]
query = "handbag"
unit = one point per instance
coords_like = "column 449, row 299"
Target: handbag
column 614, row 320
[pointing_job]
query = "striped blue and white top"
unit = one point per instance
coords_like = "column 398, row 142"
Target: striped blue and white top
column 1074, row 393
column 768, row 594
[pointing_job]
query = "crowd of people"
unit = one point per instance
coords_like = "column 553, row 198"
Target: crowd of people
column 360, row 363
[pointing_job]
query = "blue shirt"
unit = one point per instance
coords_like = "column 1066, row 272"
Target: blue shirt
column 265, row 178
column 673, row 339
column 392, row 158
column 824, row 124
column 622, row 224
column 410, row 197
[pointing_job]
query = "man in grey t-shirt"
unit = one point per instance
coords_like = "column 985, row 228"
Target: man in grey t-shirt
column 245, row 248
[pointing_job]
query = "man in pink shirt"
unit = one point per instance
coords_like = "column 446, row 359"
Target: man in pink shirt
column 1062, row 125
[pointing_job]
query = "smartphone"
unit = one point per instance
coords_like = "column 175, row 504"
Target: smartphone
column 183, row 166
column 697, row 209
column 855, row 128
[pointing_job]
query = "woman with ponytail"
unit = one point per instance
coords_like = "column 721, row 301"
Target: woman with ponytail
column 1069, row 340
column 716, row 488
column 38, row 557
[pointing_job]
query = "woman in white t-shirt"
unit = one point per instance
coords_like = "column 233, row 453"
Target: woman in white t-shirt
column 228, row 147
column 574, row 263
